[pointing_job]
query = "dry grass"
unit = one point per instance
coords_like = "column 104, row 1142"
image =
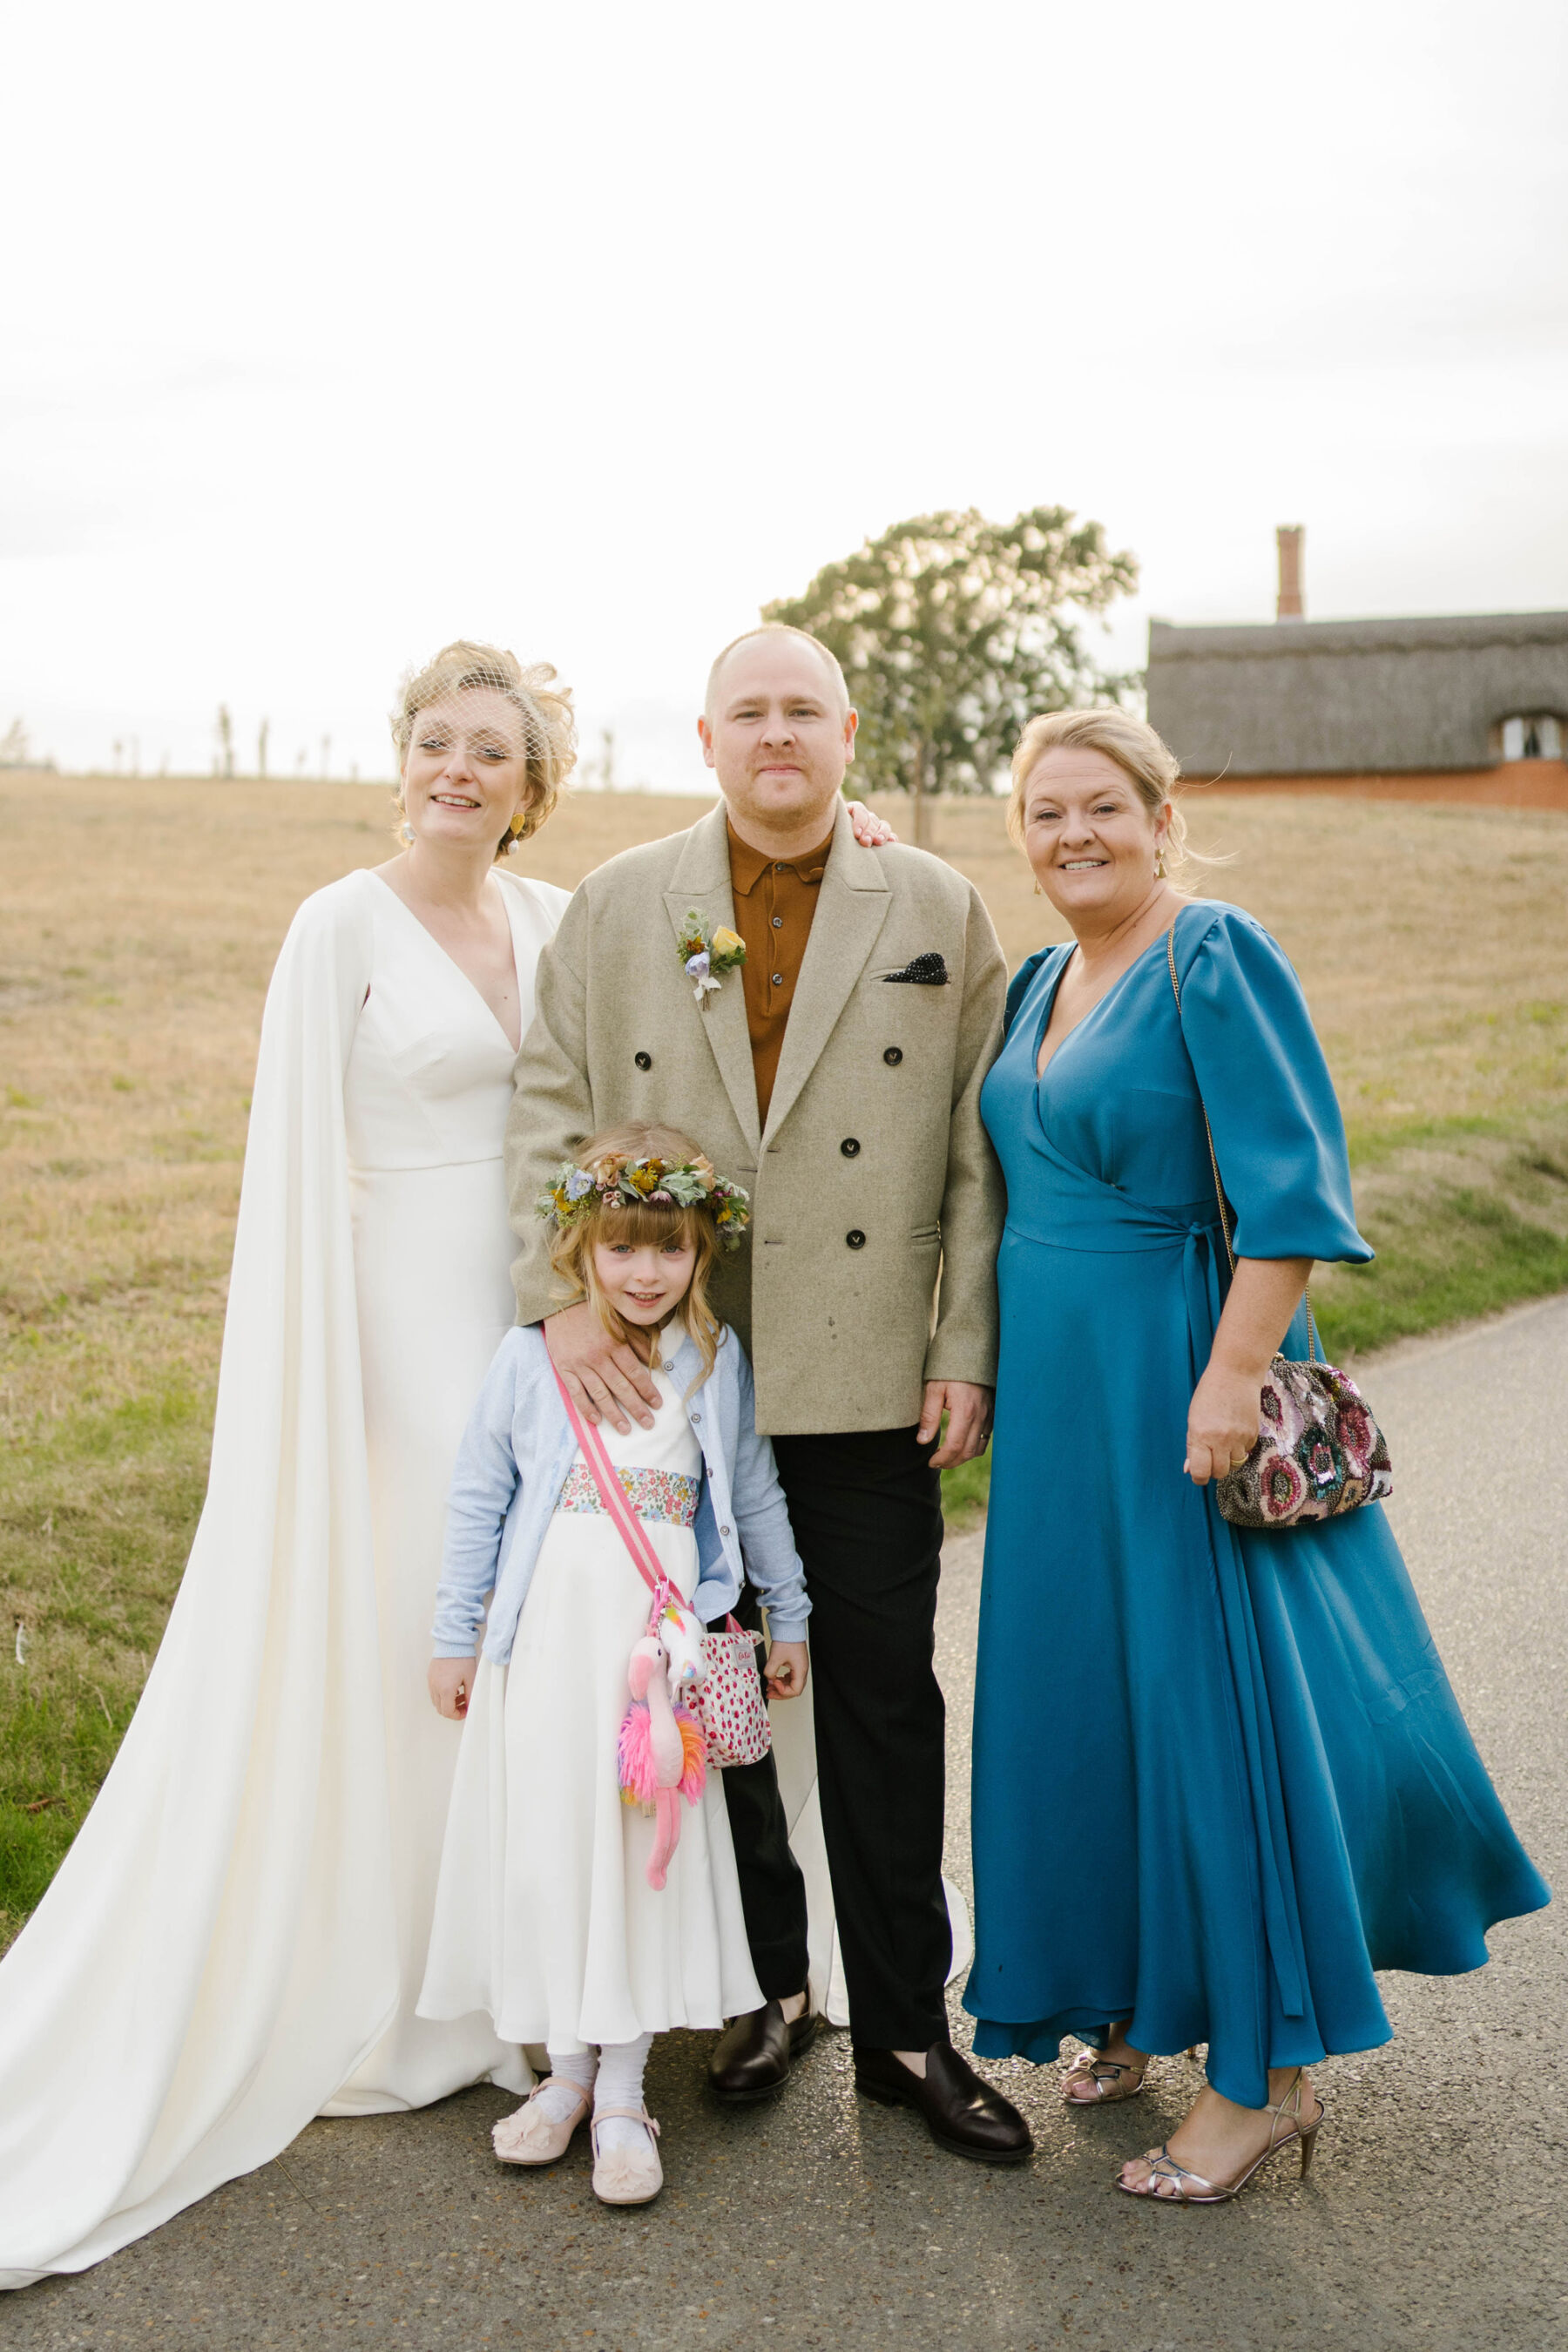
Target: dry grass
column 140, row 925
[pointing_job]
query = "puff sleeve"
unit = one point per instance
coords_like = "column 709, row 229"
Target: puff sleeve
column 1278, row 1132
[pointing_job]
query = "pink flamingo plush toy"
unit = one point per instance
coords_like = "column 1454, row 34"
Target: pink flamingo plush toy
column 663, row 1755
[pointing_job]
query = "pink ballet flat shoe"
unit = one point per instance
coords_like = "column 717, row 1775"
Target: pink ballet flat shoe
column 627, row 2175
column 529, row 2136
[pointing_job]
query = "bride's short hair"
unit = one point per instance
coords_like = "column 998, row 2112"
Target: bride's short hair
column 548, row 725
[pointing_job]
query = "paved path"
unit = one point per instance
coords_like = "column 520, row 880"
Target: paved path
column 1434, row 2215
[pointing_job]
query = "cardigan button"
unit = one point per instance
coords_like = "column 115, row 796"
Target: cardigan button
column 855, row 1238
column 893, row 1056
column 850, row 1147
column 643, row 1060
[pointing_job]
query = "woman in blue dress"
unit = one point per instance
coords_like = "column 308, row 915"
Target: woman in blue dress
column 1220, row 1777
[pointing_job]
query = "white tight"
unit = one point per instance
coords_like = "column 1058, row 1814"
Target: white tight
column 615, row 2082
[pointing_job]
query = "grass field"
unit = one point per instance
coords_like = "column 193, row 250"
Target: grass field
column 140, row 922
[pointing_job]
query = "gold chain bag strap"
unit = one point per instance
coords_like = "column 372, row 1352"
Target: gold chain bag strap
column 1319, row 1451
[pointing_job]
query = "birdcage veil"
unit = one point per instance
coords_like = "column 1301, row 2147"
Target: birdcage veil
column 542, row 705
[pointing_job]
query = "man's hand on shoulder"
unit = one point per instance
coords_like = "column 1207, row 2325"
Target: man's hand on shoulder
column 605, row 1379
column 968, row 1409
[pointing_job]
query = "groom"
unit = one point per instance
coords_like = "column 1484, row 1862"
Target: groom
column 836, row 1075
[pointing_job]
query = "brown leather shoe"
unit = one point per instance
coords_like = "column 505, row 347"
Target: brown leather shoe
column 754, row 2054
column 963, row 2114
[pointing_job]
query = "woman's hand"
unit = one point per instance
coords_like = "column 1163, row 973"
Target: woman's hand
column 1223, row 1422
column 450, row 1680
column 870, row 831
column 787, row 1669
column 1226, row 1410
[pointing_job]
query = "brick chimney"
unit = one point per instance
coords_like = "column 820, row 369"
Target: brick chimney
column 1292, row 604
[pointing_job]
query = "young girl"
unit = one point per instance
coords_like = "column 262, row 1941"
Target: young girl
column 545, row 1915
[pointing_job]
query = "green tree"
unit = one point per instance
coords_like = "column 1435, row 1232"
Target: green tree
column 953, row 631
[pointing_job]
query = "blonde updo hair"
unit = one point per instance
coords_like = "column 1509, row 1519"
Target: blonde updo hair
column 1145, row 758
column 548, row 725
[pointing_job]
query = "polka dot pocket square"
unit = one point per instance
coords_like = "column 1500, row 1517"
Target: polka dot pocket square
column 928, row 971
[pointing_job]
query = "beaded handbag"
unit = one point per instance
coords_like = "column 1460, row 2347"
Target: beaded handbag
column 1319, row 1451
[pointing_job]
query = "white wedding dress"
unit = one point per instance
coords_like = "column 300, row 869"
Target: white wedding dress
column 235, row 1941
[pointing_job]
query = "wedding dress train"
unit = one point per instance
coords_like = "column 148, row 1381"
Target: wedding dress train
column 235, row 1939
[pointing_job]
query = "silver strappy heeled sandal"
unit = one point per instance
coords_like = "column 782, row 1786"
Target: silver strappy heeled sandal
column 1105, row 2076
column 1164, row 2166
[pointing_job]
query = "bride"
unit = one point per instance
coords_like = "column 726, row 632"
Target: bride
column 235, row 1941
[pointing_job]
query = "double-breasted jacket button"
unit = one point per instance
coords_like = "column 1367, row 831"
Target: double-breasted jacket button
column 854, row 1237
column 893, row 1056
column 643, row 1060
column 850, row 1147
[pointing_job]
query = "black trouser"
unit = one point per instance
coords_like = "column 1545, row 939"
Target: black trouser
column 867, row 1513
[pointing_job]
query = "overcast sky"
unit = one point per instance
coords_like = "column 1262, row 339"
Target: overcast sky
column 329, row 332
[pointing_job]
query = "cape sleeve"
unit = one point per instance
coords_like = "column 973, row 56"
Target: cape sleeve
column 218, row 1948
column 1277, row 1133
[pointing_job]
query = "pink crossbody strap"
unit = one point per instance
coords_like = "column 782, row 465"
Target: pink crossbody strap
column 612, row 1495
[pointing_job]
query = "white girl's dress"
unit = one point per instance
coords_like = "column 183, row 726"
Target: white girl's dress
column 544, row 1917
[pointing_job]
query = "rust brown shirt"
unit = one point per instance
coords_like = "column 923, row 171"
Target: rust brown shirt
column 776, row 900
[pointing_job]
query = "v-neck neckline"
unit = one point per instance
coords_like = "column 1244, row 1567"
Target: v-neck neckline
column 451, row 960
column 1049, row 1006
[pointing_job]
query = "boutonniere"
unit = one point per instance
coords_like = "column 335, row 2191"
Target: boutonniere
column 707, row 959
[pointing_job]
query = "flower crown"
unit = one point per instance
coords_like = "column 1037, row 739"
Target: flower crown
column 621, row 1181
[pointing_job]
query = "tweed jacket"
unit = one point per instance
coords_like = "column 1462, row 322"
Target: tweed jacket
column 869, row 1266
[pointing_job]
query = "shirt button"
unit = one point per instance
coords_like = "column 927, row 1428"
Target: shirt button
column 724, row 1531
column 778, row 869
column 778, row 922
column 696, row 1416
column 850, row 1147
column 643, row 1060
column 778, row 980
column 855, row 1238
column 666, row 1366
column 893, row 1056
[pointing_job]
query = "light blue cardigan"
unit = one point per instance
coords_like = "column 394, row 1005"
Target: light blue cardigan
column 513, row 1463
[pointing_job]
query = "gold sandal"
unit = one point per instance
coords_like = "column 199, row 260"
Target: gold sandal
column 1164, row 2166
column 1105, row 2074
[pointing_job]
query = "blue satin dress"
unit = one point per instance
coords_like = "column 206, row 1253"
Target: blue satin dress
column 1220, row 1776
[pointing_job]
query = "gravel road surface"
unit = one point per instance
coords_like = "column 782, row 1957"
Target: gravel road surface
column 1435, row 2213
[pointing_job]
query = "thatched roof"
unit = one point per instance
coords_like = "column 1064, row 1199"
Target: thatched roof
column 1325, row 698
